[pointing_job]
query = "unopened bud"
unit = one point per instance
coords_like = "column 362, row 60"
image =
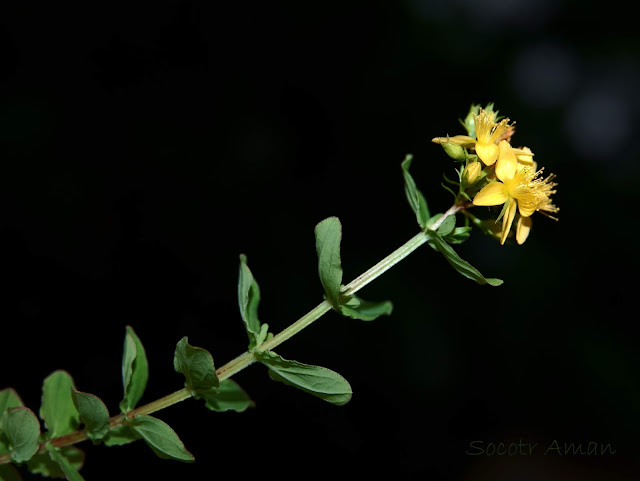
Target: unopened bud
column 463, row 140
column 472, row 172
column 454, row 150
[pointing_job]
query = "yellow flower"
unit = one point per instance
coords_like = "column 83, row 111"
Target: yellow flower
column 544, row 188
column 520, row 189
column 488, row 134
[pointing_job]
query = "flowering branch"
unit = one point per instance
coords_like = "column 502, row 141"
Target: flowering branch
column 491, row 172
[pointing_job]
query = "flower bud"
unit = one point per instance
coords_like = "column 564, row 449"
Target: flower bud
column 472, row 172
column 463, row 140
column 454, row 150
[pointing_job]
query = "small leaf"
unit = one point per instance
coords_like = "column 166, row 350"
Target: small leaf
column 328, row 235
column 22, row 429
column 9, row 399
column 120, row 436
column 248, row 300
column 459, row 235
column 449, row 181
column 448, row 189
column 462, row 266
column 433, row 218
column 135, row 371
column 357, row 308
column 414, row 196
column 228, row 397
column 447, row 226
column 197, row 366
column 44, row 464
column 65, row 464
column 264, row 334
column 469, row 121
column 9, row 473
column 318, row 381
column 93, row 413
column 57, row 409
column 161, row 438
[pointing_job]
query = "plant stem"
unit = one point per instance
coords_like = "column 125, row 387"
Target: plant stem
column 248, row 358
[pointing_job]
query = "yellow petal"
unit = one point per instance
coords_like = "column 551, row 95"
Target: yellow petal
column 527, row 203
column 488, row 153
column 524, row 155
column 507, row 162
column 523, row 227
column 493, row 193
column 507, row 220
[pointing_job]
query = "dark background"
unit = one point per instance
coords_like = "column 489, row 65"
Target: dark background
column 144, row 146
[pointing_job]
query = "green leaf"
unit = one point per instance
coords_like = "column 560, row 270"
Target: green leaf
column 318, row 381
column 459, row 235
column 161, row 438
column 65, row 464
column 45, row 465
column 452, row 182
column 264, row 334
column 93, row 413
column 448, row 189
column 22, row 430
column 248, row 300
column 197, row 366
column 9, row 473
column 135, row 371
column 469, row 121
column 447, row 226
column 433, row 218
column 120, row 436
column 430, row 222
column 357, row 308
column 328, row 235
column 9, row 399
column 462, row 266
column 228, row 397
column 57, row 409
column 414, row 196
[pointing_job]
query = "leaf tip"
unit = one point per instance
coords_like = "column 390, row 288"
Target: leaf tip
column 332, row 218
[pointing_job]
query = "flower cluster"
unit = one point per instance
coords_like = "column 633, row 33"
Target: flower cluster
column 496, row 173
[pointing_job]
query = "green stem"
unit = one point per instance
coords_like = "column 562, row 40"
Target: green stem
column 296, row 327
column 248, row 358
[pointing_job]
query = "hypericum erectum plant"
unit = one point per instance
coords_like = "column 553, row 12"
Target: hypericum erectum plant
column 490, row 172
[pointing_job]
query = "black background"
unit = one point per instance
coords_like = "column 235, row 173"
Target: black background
column 144, row 146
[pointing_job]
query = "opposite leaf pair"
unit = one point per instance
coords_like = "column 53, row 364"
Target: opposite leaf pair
column 316, row 380
column 446, row 233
